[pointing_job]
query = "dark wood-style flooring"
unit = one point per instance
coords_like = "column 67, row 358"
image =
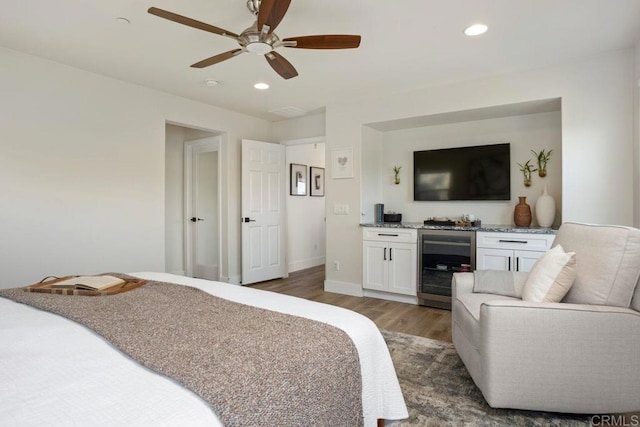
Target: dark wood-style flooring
column 393, row 316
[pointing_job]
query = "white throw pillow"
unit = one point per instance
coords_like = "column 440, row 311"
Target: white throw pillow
column 551, row 276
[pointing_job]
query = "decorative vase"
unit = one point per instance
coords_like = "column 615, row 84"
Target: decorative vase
column 522, row 213
column 545, row 209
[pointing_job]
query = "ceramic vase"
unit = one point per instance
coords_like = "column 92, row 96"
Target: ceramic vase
column 545, row 209
column 522, row 213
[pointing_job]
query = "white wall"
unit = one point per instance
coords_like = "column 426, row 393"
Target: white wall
column 303, row 127
column 371, row 174
column 83, row 170
column 524, row 133
column 174, row 210
column 305, row 214
column 636, row 180
column 597, row 142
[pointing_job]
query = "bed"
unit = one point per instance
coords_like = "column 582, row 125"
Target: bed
column 54, row 371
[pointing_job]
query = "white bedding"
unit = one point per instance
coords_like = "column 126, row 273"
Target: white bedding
column 56, row 372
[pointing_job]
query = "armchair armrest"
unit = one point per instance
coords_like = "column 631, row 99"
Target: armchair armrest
column 560, row 357
column 462, row 283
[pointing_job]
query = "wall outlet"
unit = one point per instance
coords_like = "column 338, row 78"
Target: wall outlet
column 336, row 265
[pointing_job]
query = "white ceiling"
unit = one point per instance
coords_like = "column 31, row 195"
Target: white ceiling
column 406, row 44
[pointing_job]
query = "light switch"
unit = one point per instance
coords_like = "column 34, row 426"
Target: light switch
column 339, row 209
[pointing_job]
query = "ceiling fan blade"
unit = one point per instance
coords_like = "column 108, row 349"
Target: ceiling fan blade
column 326, row 41
column 191, row 22
column 218, row 58
column 271, row 13
column 281, row 65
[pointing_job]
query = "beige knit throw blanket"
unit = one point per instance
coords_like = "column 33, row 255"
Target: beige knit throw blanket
column 255, row 367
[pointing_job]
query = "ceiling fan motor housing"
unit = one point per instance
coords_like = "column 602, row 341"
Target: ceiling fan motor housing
column 256, row 42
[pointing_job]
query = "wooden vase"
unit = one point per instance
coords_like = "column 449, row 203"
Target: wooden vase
column 522, row 213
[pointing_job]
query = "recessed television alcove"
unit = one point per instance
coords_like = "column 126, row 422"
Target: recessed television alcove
column 526, row 127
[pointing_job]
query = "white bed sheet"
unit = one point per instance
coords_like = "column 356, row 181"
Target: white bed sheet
column 56, row 372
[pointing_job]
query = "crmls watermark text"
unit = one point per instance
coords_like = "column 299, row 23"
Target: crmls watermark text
column 628, row 420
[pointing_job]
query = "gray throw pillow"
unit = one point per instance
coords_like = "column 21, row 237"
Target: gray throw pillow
column 506, row 283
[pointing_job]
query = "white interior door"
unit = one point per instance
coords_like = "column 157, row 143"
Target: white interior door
column 202, row 214
column 263, row 211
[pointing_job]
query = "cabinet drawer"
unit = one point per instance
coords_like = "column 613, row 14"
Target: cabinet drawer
column 515, row 241
column 403, row 235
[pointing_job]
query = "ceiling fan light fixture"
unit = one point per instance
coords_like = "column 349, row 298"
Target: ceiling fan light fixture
column 260, row 48
column 475, row 30
column 261, row 86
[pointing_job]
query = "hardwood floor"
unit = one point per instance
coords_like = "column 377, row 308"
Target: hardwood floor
column 394, row 316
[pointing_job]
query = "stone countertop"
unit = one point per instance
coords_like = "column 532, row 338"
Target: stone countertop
column 501, row 228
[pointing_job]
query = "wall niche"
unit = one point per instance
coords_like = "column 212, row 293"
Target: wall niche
column 527, row 126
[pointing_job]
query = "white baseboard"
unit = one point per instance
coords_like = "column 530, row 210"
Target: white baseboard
column 307, row 263
column 353, row 289
column 407, row 299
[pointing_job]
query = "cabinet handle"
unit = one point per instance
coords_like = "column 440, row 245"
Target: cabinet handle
column 509, row 269
column 517, row 263
column 390, row 254
column 385, row 254
column 513, row 241
column 387, row 234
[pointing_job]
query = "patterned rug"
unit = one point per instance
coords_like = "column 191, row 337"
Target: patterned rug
column 439, row 391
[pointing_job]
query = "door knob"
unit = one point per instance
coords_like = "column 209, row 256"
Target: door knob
column 194, row 219
column 247, row 219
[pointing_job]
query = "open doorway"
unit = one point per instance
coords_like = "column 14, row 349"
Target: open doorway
column 193, row 202
column 306, row 225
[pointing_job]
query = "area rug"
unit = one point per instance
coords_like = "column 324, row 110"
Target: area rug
column 439, row 391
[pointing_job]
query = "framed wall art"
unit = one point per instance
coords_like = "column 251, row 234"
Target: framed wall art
column 298, row 178
column 342, row 163
column 316, row 181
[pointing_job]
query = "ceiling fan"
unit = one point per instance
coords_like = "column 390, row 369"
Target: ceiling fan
column 260, row 37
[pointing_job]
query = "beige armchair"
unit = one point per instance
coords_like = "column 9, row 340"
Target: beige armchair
column 581, row 355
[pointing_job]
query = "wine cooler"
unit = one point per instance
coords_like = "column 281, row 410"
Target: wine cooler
column 443, row 253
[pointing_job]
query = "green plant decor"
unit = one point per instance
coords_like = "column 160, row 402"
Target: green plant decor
column 543, row 158
column 396, row 171
column 527, row 170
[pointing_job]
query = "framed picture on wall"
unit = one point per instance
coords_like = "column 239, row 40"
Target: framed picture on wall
column 316, row 181
column 298, row 178
column 342, row 163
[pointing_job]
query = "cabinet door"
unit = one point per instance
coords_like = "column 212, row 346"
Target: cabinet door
column 403, row 268
column 375, row 257
column 526, row 259
column 494, row 259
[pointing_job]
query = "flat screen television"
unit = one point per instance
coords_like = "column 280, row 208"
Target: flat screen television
column 463, row 173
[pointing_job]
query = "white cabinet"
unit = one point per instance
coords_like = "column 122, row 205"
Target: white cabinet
column 510, row 251
column 390, row 260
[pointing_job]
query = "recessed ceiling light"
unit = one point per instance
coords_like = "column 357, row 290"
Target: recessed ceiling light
column 476, row 29
column 122, row 20
column 261, row 86
column 211, row 82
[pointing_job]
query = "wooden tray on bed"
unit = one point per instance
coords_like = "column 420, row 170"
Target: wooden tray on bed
column 45, row 287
